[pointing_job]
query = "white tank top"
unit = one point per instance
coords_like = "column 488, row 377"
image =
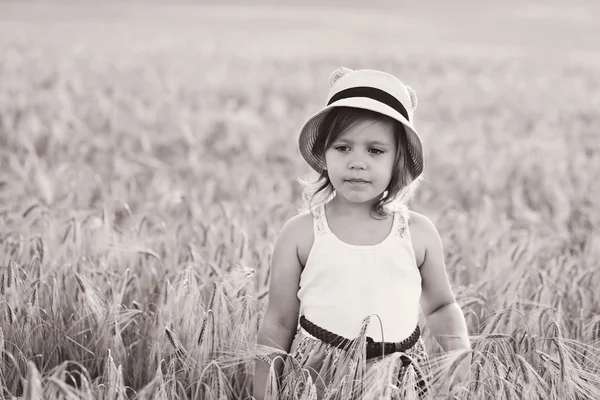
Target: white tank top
column 341, row 284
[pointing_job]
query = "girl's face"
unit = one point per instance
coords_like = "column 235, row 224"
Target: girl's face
column 360, row 161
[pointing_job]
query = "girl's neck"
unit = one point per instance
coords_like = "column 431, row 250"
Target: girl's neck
column 342, row 208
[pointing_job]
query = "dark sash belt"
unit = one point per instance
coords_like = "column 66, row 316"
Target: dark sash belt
column 374, row 349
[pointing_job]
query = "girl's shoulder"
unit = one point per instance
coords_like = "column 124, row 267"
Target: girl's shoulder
column 302, row 225
column 415, row 218
column 298, row 226
column 420, row 222
column 423, row 234
column 298, row 232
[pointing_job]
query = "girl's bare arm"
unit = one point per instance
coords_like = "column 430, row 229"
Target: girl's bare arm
column 279, row 323
column 444, row 317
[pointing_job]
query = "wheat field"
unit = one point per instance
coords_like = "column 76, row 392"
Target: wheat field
column 148, row 160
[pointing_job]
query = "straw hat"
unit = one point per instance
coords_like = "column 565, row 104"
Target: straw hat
column 371, row 90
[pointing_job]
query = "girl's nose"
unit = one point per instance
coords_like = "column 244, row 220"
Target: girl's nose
column 357, row 164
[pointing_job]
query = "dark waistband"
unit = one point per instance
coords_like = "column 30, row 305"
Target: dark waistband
column 374, row 349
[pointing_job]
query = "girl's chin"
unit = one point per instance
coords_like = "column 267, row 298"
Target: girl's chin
column 357, row 196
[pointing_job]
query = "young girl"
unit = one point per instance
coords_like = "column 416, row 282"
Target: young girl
column 359, row 264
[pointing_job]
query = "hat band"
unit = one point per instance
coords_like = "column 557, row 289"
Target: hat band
column 371, row 93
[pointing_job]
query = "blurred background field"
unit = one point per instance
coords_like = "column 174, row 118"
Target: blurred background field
column 148, row 160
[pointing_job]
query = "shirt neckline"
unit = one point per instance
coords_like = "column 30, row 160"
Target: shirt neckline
column 358, row 246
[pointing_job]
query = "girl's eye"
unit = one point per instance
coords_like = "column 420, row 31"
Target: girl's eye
column 377, row 151
column 341, row 148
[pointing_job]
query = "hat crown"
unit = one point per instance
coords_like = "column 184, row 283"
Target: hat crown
column 344, row 78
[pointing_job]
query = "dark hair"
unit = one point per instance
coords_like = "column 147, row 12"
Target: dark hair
column 331, row 127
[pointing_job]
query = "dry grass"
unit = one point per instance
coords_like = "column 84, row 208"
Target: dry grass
column 139, row 200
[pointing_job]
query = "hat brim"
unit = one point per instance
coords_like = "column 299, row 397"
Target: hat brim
column 308, row 134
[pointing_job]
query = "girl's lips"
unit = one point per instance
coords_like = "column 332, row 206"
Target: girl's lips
column 357, row 181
